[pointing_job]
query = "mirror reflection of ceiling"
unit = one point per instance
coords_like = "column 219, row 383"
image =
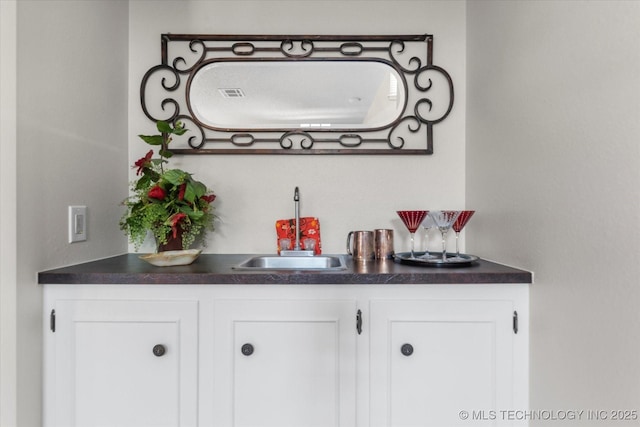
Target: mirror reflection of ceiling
column 297, row 94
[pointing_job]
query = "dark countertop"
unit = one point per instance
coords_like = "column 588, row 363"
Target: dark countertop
column 210, row 269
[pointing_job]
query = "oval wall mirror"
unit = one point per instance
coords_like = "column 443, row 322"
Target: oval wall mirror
column 309, row 95
column 298, row 94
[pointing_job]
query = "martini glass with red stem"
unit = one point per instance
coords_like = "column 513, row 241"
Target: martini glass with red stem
column 412, row 220
column 457, row 226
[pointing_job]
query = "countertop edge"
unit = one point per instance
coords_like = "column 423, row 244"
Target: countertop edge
column 216, row 269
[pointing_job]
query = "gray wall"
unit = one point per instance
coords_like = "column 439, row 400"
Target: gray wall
column 8, row 95
column 71, row 149
column 553, row 166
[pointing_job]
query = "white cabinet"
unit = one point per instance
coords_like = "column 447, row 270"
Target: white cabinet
column 285, row 363
column 432, row 359
column 274, row 355
column 122, row 363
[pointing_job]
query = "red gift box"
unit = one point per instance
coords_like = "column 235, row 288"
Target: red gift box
column 309, row 229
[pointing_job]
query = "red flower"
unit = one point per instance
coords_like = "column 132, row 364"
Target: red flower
column 183, row 188
column 175, row 219
column 209, row 199
column 143, row 162
column 157, row 192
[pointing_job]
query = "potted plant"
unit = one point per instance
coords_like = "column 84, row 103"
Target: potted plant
column 169, row 203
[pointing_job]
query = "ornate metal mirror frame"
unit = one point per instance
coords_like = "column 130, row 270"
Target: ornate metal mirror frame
column 428, row 100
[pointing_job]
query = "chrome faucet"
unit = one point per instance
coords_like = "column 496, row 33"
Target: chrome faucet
column 297, row 251
column 296, row 203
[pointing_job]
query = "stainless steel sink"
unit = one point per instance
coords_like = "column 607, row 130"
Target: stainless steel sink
column 275, row 262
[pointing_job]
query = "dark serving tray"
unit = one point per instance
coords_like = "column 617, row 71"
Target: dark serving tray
column 452, row 261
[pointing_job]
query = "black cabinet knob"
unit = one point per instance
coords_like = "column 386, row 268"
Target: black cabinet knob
column 247, row 349
column 159, row 350
column 406, row 349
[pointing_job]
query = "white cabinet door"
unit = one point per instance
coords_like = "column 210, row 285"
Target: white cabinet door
column 433, row 359
column 285, row 363
column 106, row 371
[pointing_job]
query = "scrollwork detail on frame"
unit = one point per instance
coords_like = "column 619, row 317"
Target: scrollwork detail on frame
column 164, row 93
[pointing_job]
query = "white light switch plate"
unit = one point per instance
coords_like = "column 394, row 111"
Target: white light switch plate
column 77, row 224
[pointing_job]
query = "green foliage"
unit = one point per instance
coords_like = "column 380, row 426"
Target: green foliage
column 152, row 139
column 163, row 201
